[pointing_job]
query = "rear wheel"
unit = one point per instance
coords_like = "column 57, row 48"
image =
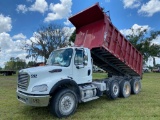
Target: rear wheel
column 113, row 91
column 64, row 103
column 135, row 86
column 125, row 89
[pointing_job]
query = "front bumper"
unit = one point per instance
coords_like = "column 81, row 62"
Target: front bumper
column 33, row 100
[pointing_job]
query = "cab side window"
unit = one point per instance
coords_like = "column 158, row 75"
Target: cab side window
column 78, row 60
column 81, row 57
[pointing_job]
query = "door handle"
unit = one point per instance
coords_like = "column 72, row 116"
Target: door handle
column 89, row 72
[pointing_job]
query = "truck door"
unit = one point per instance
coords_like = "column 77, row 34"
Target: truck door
column 82, row 71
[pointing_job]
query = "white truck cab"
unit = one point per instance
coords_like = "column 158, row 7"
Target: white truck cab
column 67, row 68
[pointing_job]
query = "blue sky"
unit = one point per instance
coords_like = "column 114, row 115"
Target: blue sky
column 19, row 19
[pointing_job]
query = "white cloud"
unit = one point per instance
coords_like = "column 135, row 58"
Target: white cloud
column 134, row 29
column 33, row 39
column 9, row 48
column 5, row 23
column 131, row 3
column 40, row 6
column 67, row 22
column 151, row 7
column 68, row 31
column 157, row 40
column 59, row 10
column 19, row 36
column 21, row 8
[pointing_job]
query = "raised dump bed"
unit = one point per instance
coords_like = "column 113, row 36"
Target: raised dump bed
column 110, row 50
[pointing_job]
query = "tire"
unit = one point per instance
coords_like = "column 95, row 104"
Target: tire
column 135, row 86
column 113, row 91
column 64, row 103
column 125, row 89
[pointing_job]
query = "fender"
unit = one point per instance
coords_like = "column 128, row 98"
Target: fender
column 66, row 82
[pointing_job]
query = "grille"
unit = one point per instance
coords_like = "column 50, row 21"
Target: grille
column 23, row 81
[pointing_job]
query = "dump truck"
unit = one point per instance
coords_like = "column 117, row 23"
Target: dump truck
column 66, row 79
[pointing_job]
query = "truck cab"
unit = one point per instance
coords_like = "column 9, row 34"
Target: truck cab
column 69, row 67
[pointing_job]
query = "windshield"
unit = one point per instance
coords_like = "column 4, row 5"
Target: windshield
column 60, row 57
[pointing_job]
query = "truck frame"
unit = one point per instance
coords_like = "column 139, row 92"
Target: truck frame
column 66, row 80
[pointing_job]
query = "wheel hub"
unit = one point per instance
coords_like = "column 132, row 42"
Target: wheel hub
column 66, row 105
column 127, row 89
column 115, row 89
column 136, row 86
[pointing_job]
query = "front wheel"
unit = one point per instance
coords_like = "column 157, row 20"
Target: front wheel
column 64, row 103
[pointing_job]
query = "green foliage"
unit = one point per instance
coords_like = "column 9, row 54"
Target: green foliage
column 15, row 64
column 73, row 37
column 31, row 63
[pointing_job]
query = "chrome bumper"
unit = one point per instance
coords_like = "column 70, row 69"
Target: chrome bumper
column 33, row 100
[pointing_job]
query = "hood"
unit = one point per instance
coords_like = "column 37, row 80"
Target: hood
column 45, row 75
column 40, row 69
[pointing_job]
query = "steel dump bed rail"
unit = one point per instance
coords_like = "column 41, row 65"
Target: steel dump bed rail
column 110, row 50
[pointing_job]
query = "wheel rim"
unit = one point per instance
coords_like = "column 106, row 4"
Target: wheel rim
column 127, row 89
column 115, row 89
column 137, row 86
column 67, row 104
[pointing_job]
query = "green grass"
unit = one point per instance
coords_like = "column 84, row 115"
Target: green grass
column 144, row 106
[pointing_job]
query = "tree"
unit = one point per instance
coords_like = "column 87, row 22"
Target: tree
column 15, row 64
column 73, row 37
column 143, row 42
column 31, row 63
column 47, row 39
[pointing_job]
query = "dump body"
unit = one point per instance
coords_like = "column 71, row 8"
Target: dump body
column 110, row 50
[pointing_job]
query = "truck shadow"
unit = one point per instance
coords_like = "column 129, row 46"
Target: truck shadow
column 39, row 113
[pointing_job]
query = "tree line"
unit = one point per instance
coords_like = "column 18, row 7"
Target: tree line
column 15, row 63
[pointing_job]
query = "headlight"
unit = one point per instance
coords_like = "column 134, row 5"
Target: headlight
column 40, row 88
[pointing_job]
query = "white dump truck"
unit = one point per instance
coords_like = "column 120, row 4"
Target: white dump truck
column 66, row 79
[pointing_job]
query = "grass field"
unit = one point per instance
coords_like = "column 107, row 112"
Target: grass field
column 144, row 106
